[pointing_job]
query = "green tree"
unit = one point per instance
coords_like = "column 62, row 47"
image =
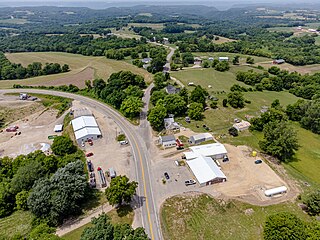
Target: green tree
column 63, row 145
column 313, row 203
column 199, row 95
column 156, row 116
column 222, row 66
column 159, row 81
column 313, row 230
column 6, row 199
column 157, row 95
column 175, row 104
column 65, row 68
column 284, row 226
column 184, row 94
column 43, row 231
column 2, row 121
column 98, row 85
column 233, row 131
column 236, row 99
column 102, row 229
column 21, row 200
column 214, row 104
column 225, row 102
column 205, row 64
column 235, row 60
column 134, row 91
column 195, row 111
column 88, row 84
column 280, row 140
column 120, row 190
column 250, row 60
column 131, row 106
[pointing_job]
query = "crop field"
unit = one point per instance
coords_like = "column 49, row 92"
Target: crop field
column 82, row 68
column 203, row 217
column 17, row 223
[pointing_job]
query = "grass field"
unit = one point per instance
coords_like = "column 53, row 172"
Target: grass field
column 203, row 217
column 156, row 26
column 18, row 223
column 14, row 21
column 115, row 218
column 82, row 68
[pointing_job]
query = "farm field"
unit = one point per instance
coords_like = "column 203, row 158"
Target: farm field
column 156, row 26
column 82, row 68
column 223, row 40
column 202, row 217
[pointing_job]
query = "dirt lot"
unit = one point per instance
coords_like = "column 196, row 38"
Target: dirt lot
column 245, row 180
column 107, row 151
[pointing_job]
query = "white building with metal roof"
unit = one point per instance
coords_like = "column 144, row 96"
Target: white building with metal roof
column 214, row 150
column 85, row 128
column 199, row 138
column 206, row 170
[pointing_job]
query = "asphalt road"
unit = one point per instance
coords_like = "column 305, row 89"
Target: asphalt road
column 138, row 138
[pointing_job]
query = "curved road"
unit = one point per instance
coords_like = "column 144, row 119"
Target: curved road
column 139, row 146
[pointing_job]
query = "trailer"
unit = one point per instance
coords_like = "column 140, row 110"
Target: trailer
column 102, row 177
column 275, row 191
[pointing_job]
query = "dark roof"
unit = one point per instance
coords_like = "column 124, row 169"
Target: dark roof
column 172, row 89
column 146, row 60
column 168, row 138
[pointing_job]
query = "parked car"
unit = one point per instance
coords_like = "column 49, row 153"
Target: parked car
column 225, row 159
column 187, row 119
column 92, row 175
column 189, row 182
column 125, row 142
column 90, row 142
column 92, row 182
column 258, row 161
column 166, row 175
column 89, row 154
column 90, row 166
column 83, row 144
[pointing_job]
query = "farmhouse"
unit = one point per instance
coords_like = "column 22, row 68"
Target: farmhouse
column 170, row 124
column 241, row 126
column 223, row 59
column 167, row 141
column 172, row 90
column 199, row 138
column 214, row 151
column 85, row 128
column 278, row 61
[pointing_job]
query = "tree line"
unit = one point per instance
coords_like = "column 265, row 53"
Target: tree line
column 10, row 70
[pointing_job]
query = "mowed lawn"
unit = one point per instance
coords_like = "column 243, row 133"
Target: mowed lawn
column 17, row 223
column 82, row 68
column 125, row 215
column 188, row 217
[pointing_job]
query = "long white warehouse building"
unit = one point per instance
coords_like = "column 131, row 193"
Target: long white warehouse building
column 85, row 128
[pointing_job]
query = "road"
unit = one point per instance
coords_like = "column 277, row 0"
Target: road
column 139, row 146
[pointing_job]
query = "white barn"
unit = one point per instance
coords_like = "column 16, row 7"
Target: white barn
column 206, row 171
column 199, row 138
column 167, row 141
column 85, row 128
column 214, row 150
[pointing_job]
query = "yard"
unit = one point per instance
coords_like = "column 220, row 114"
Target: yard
column 194, row 216
column 17, row 223
column 82, row 68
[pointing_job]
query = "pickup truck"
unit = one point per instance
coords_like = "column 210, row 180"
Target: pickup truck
column 189, row 182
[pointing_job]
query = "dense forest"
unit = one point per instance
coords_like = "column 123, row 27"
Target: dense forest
column 10, row 70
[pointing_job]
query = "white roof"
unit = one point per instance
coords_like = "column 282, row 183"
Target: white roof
column 45, row 147
column 276, row 190
column 242, row 125
column 224, row 58
column 58, row 127
column 202, row 135
column 83, row 121
column 208, row 150
column 204, row 169
column 190, row 155
column 84, row 132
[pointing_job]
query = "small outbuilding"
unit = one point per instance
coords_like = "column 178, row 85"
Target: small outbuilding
column 221, row 59
column 58, row 128
column 170, row 124
column 167, row 141
column 85, row 128
column 278, row 61
column 241, row 126
column 199, row 138
column 275, row 191
column 172, row 89
column 146, row 60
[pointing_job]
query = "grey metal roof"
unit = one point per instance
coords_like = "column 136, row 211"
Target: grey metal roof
column 168, row 138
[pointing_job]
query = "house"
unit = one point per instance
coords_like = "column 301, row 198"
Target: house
column 58, row 128
column 172, row 89
column 278, row 61
column 241, row 126
column 206, row 170
column 167, row 141
column 85, row 128
column 170, row 124
column 199, row 138
column 146, row 60
column 165, row 40
column 197, row 60
column 210, row 58
column 214, row 151
column 223, row 59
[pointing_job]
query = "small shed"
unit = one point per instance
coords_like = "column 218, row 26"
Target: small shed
column 275, row 191
column 146, row 60
column 58, row 128
column 241, row 126
column 167, row 141
column 23, row 96
column 223, row 59
column 199, row 138
column 172, row 89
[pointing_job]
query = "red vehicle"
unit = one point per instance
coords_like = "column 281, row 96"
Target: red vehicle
column 89, row 154
column 12, row 129
column 90, row 142
column 179, row 143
